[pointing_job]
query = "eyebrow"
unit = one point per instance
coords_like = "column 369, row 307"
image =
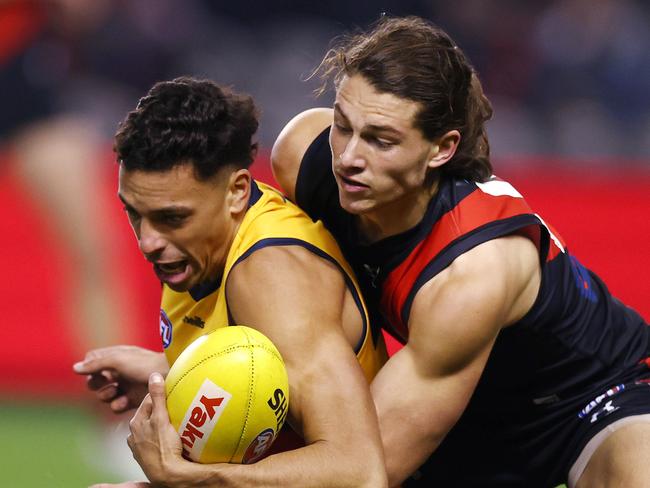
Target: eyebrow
column 370, row 127
column 172, row 209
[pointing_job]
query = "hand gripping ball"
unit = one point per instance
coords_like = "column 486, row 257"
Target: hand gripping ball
column 228, row 396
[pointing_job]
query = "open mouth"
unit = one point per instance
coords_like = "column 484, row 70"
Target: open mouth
column 172, row 272
column 172, row 268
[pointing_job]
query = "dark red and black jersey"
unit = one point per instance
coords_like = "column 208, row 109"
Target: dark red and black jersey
column 576, row 340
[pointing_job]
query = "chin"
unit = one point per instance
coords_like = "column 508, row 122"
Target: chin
column 179, row 287
column 355, row 207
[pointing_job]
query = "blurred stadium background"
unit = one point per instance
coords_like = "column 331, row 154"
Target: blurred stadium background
column 568, row 79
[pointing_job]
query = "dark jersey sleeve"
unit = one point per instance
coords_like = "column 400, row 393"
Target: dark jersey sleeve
column 316, row 190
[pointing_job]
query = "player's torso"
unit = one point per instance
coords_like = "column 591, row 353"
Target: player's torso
column 574, row 343
column 572, row 323
column 270, row 221
column 554, row 353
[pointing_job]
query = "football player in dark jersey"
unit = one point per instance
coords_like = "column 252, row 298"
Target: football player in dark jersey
column 519, row 368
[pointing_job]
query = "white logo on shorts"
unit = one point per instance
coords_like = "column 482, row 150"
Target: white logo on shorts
column 606, row 410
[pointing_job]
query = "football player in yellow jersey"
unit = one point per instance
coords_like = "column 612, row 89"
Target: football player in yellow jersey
column 228, row 251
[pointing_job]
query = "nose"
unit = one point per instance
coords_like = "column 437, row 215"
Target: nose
column 151, row 241
column 352, row 156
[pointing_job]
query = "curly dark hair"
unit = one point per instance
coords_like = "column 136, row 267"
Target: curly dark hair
column 412, row 58
column 187, row 120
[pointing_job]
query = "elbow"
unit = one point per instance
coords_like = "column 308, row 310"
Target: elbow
column 292, row 143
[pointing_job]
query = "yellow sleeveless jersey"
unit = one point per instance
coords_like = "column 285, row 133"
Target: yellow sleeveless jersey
column 270, row 220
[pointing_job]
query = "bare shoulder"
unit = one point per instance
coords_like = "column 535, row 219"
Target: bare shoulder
column 280, row 278
column 292, row 143
column 503, row 264
column 281, row 262
column 292, row 296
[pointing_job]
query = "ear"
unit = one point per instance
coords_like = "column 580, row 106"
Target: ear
column 443, row 149
column 238, row 191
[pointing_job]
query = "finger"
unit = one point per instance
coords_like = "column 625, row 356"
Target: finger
column 144, row 410
column 108, row 393
column 99, row 380
column 96, row 364
column 120, row 404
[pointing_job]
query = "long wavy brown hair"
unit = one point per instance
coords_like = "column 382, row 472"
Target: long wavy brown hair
column 413, row 59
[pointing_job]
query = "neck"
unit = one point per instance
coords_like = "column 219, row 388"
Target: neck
column 396, row 217
column 222, row 251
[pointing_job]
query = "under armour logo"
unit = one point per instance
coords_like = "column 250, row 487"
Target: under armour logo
column 373, row 273
column 606, row 410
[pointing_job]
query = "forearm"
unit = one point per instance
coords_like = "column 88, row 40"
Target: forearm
column 415, row 414
column 404, row 455
column 316, row 465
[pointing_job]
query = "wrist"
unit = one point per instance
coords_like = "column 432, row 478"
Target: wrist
column 170, row 473
column 186, row 474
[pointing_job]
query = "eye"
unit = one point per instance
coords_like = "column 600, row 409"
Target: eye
column 131, row 214
column 382, row 143
column 342, row 128
column 173, row 220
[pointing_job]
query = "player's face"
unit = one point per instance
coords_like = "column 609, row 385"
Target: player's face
column 379, row 158
column 184, row 226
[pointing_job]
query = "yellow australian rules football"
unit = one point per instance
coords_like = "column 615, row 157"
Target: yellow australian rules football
column 228, row 396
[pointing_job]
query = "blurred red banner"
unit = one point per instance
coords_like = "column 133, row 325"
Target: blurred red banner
column 601, row 212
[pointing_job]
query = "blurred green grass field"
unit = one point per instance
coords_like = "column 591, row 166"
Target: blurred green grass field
column 49, row 445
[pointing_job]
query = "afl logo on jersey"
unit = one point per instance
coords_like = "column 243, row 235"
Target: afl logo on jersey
column 165, row 329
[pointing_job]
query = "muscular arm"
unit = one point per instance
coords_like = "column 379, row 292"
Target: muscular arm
column 296, row 299
column 455, row 319
column 292, row 143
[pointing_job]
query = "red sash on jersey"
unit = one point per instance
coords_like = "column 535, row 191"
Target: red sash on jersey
column 474, row 212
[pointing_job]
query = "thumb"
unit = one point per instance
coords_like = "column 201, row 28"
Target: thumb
column 157, row 393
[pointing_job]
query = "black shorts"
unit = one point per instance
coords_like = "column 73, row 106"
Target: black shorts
column 489, row 451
